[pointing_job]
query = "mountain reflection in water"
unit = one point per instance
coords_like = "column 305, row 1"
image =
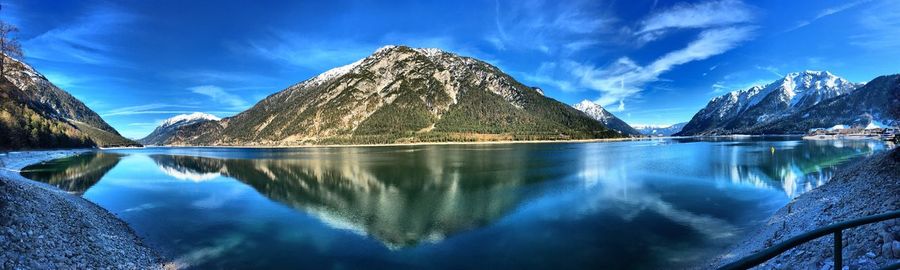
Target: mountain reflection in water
column 794, row 167
column 75, row 174
column 433, row 196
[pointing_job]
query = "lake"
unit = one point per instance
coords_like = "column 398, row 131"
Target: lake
column 665, row 203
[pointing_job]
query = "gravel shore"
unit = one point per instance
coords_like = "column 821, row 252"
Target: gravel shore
column 868, row 187
column 42, row 227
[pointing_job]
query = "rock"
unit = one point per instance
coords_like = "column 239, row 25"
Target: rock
column 870, row 254
column 895, row 248
column 886, row 237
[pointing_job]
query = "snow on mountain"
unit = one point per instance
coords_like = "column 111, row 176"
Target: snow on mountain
column 659, row 130
column 872, row 105
column 330, row 74
column 342, row 70
column 187, row 175
column 600, row 114
column 187, row 119
column 808, row 88
column 168, row 129
column 760, row 104
column 594, row 110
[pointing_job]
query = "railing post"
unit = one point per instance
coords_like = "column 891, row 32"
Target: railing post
column 838, row 247
column 762, row 256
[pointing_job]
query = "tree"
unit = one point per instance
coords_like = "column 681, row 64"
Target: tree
column 9, row 45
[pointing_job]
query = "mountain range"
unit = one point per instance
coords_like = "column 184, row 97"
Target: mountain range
column 653, row 130
column 35, row 113
column 401, row 94
column 802, row 95
column 877, row 104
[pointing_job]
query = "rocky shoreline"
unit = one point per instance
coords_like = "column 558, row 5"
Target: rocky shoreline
column 867, row 187
column 42, row 227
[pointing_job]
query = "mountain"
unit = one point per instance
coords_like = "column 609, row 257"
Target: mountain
column 402, row 94
column 877, row 103
column 168, row 131
column 609, row 120
column 660, row 130
column 35, row 113
column 736, row 111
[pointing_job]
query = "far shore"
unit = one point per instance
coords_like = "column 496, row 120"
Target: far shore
column 454, row 143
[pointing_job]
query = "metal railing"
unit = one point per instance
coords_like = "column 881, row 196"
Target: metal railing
column 836, row 229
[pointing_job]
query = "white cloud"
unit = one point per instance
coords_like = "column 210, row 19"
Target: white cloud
column 719, row 87
column 219, row 95
column 548, row 26
column 772, row 70
column 212, row 76
column 825, row 13
column 698, row 15
column 292, row 49
column 580, row 44
column 321, row 54
column 710, row 69
column 81, row 41
column 711, row 42
column 625, row 78
column 497, row 42
column 61, row 80
column 550, row 74
column 879, row 27
column 154, row 108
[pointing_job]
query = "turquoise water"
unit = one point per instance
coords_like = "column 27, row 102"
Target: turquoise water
column 636, row 205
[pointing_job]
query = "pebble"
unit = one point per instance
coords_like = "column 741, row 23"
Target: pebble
column 48, row 229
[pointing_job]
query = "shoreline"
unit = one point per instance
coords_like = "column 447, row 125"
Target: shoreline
column 451, row 143
column 866, row 187
column 394, row 144
column 43, row 227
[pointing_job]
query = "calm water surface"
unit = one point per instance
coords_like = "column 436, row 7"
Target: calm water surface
column 642, row 205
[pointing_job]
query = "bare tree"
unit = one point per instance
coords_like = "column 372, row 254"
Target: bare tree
column 9, row 45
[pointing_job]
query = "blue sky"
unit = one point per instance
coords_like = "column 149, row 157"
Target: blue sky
column 650, row 62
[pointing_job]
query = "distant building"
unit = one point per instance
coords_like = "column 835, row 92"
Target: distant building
column 871, row 131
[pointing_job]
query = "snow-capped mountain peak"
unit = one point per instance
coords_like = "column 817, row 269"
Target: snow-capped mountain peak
column 593, row 110
column 331, row 74
column 183, row 119
column 430, row 52
column 168, row 129
column 345, row 69
column 600, row 114
column 807, row 88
